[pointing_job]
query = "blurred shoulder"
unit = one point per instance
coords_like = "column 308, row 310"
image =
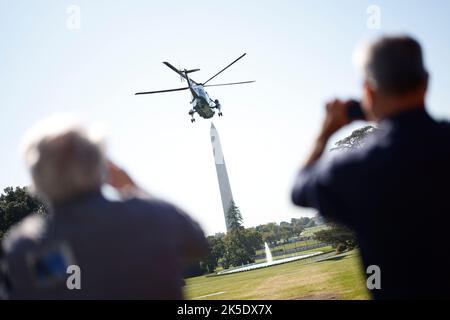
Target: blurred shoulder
column 150, row 204
column 155, row 208
column 444, row 125
column 441, row 140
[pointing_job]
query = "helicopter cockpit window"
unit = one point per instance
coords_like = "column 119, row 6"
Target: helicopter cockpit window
column 202, row 93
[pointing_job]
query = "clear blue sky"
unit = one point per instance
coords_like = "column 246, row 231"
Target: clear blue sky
column 300, row 53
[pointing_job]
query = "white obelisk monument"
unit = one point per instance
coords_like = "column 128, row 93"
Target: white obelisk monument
column 222, row 175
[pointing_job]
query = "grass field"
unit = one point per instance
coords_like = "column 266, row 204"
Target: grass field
column 339, row 277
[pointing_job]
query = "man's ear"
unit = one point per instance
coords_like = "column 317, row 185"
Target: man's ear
column 369, row 101
column 369, row 96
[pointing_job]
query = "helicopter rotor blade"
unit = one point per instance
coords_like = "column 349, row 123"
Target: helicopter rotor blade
column 224, row 69
column 228, row 84
column 161, row 91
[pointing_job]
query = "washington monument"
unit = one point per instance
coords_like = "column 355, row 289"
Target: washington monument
column 222, row 175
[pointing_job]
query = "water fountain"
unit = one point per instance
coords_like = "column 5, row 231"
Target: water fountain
column 269, row 261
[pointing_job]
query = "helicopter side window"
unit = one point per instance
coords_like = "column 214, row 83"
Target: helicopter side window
column 201, row 93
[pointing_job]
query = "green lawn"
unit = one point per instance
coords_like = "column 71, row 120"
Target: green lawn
column 339, row 277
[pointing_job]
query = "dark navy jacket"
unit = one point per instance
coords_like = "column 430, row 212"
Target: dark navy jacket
column 395, row 194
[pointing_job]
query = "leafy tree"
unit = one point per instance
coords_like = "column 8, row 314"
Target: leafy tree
column 338, row 236
column 240, row 247
column 286, row 231
column 240, row 244
column 16, row 204
column 269, row 232
column 303, row 222
column 216, row 252
column 297, row 230
column 234, row 218
column 310, row 224
column 273, row 233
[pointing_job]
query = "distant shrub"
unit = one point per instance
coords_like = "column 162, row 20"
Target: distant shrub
column 341, row 248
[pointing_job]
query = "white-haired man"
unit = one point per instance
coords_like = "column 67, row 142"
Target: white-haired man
column 386, row 190
column 89, row 247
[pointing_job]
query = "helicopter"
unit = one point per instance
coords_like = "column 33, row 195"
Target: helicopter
column 201, row 102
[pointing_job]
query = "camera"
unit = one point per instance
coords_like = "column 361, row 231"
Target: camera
column 355, row 111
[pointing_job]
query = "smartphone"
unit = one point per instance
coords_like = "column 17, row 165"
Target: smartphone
column 355, row 111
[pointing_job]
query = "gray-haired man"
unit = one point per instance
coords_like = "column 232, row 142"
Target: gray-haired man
column 394, row 191
column 90, row 247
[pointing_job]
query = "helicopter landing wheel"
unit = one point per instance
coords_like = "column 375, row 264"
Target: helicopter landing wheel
column 192, row 120
column 220, row 114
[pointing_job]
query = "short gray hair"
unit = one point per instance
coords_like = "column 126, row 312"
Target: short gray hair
column 394, row 64
column 65, row 161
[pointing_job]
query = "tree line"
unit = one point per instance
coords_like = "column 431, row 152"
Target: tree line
column 16, row 204
column 238, row 247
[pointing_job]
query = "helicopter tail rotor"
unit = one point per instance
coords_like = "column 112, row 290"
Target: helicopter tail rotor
column 190, row 71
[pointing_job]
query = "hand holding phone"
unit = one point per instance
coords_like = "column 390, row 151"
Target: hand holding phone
column 355, row 111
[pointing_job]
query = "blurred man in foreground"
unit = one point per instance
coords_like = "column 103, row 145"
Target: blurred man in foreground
column 393, row 192
column 90, row 247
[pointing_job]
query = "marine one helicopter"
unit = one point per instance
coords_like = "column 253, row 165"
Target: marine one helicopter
column 201, row 102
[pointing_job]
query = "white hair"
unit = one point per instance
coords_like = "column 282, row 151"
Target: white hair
column 64, row 158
